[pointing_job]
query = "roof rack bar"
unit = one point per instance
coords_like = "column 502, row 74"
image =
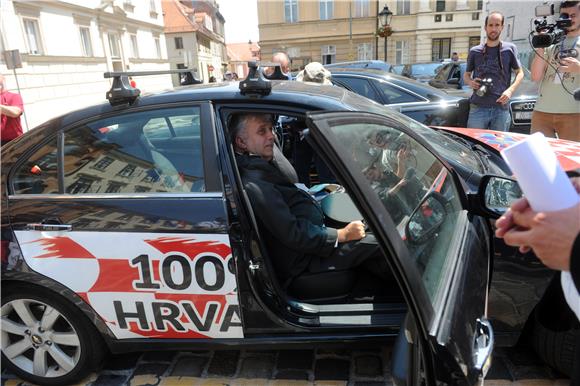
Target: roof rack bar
column 146, row 73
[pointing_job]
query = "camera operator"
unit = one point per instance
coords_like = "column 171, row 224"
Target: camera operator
column 491, row 65
column 557, row 68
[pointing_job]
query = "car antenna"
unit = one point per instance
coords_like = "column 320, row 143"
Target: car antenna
column 121, row 92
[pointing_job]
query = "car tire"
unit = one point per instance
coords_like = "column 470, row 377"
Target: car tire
column 555, row 334
column 62, row 351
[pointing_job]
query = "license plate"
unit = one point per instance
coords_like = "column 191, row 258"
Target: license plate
column 523, row 115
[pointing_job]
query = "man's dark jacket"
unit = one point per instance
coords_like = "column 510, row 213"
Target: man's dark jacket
column 290, row 220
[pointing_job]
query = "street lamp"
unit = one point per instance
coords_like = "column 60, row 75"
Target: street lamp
column 385, row 17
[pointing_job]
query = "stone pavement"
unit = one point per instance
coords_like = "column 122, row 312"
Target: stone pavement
column 368, row 367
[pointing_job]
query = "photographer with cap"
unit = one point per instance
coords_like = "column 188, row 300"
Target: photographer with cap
column 491, row 64
column 557, row 68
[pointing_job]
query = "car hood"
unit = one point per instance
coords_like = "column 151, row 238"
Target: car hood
column 568, row 152
column 527, row 90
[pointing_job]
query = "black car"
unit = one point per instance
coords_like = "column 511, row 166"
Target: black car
column 419, row 101
column 364, row 64
column 450, row 77
column 125, row 227
column 423, row 72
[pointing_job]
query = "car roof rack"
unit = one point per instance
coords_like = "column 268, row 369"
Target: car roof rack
column 257, row 82
column 121, row 92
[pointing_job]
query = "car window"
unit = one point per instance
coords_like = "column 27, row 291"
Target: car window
column 39, row 174
column 392, row 94
column 415, row 189
column 442, row 74
column 151, row 151
column 360, row 86
column 425, row 68
column 455, row 72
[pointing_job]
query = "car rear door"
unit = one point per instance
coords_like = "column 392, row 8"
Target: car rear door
column 438, row 252
column 127, row 211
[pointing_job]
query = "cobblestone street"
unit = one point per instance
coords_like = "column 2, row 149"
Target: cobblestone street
column 369, row 367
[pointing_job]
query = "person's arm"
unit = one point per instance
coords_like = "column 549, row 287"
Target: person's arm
column 539, row 65
column 507, row 94
column 295, row 233
column 10, row 111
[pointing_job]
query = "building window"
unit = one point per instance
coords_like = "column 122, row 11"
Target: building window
column 365, row 51
column 402, row 52
column 449, row 17
column 475, row 16
column 474, row 41
column 114, row 187
column 440, row 6
column 403, row 7
column 104, row 163
column 361, row 8
column 178, row 43
column 152, row 9
column 441, row 49
column 128, row 5
column 437, row 18
column 291, row 11
column 86, row 41
column 127, row 171
column 328, row 54
column 158, row 48
column 134, row 46
column 480, row 4
column 326, row 9
column 114, row 46
column 32, row 32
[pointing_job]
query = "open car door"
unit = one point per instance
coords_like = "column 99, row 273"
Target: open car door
column 415, row 206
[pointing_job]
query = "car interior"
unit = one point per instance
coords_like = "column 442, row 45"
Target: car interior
column 353, row 286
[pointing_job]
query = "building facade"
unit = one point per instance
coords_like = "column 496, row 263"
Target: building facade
column 330, row 31
column 239, row 54
column 194, row 32
column 65, row 46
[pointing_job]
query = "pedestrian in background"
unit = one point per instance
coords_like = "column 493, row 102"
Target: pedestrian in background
column 454, row 57
column 491, row 65
column 11, row 108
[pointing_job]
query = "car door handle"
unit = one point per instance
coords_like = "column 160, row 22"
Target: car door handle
column 49, row 227
column 483, row 345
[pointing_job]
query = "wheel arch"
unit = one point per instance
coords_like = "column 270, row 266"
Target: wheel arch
column 43, row 283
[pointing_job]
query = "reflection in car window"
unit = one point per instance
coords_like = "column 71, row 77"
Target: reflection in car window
column 392, row 94
column 444, row 146
column 414, row 188
column 38, row 175
column 152, row 151
column 360, row 86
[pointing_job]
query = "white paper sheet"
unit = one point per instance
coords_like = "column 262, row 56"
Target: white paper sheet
column 539, row 174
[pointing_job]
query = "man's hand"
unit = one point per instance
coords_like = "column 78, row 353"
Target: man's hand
column 505, row 97
column 570, row 65
column 352, row 232
column 474, row 83
column 549, row 234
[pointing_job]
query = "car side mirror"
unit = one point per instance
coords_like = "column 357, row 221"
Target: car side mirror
column 426, row 218
column 495, row 195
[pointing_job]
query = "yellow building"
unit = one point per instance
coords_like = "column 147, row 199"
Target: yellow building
column 330, row 31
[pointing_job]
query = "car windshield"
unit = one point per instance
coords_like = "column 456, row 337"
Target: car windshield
column 425, row 68
column 445, row 146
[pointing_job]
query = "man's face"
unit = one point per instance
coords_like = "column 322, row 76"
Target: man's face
column 257, row 138
column 573, row 13
column 493, row 27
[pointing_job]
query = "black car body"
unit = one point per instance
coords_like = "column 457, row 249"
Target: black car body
column 419, row 101
column 450, row 76
column 129, row 225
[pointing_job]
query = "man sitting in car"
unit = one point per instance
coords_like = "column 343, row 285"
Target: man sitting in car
column 291, row 221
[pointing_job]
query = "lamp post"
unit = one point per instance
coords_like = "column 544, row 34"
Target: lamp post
column 385, row 17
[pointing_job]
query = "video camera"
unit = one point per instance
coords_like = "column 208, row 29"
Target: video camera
column 549, row 33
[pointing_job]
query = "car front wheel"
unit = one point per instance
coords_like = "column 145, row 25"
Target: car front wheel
column 45, row 339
